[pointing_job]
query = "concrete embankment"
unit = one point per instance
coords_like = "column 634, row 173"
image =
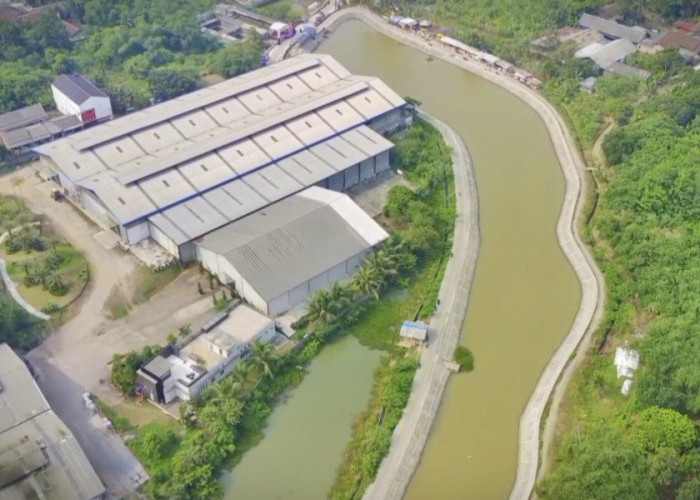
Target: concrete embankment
column 411, row 434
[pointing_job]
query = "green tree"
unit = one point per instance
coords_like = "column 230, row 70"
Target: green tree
column 263, row 357
column 664, row 428
column 464, row 358
column 170, row 83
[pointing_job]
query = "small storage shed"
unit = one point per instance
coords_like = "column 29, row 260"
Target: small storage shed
column 414, row 331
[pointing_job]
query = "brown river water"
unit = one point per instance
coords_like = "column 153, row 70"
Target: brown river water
column 523, row 301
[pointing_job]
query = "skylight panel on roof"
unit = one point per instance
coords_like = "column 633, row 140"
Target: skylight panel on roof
column 227, row 111
column 259, row 99
column 119, row 152
column 156, row 138
column 277, row 142
column 166, row 188
column 272, row 182
column 310, row 128
column 370, row 104
column 289, row 88
column 206, row 171
column 244, row 156
column 194, row 124
column 340, row 116
column 318, row 77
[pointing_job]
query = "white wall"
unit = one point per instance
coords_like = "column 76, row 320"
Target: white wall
column 63, row 103
column 92, row 205
column 159, row 237
column 101, row 105
column 137, row 232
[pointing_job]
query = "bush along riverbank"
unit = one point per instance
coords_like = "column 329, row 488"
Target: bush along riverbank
column 229, row 417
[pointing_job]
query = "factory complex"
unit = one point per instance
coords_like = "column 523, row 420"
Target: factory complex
column 222, row 175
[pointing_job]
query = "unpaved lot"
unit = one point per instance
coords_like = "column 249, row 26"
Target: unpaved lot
column 75, row 356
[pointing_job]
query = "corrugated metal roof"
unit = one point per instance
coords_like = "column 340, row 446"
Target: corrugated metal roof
column 22, row 117
column 294, row 240
column 612, row 29
column 139, row 152
column 39, row 456
column 77, row 88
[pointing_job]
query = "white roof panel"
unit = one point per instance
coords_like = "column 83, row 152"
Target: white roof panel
column 370, row 104
column 289, row 88
column 126, row 204
column 167, row 188
column 158, row 137
column 119, row 152
column 235, row 199
column 310, row 128
column 228, row 111
column 367, row 140
column 206, row 171
column 318, row 77
column 340, row 116
column 195, row 217
column 307, row 170
column 259, row 99
column 244, row 156
column 194, row 124
column 272, row 182
column 277, row 142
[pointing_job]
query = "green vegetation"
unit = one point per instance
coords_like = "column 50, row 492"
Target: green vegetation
column 229, row 417
column 464, row 358
column 124, row 366
column 151, row 281
column 135, row 50
column 49, row 272
column 373, row 428
column 644, row 237
column 120, row 422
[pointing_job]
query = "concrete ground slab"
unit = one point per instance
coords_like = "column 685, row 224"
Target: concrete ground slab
column 108, row 239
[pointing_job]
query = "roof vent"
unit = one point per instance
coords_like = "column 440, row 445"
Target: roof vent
column 121, row 200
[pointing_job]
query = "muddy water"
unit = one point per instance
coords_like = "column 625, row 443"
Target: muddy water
column 306, row 436
column 524, row 296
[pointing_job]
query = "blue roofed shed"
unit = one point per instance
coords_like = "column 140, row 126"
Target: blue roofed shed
column 415, row 331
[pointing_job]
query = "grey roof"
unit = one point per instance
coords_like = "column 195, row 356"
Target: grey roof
column 25, row 136
column 623, row 69
column 20, row 399
column 62, row 124
column 22, row 117
column 294, row 240
column 612, row 29
column 158, row 366
column 148, row 162
column 605, row 54
column 39, row 456
column 77, row 88
column 414, row 330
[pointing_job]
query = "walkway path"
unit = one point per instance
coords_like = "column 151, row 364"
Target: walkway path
column 11, row 286
column 411, row 434
column 393, row 478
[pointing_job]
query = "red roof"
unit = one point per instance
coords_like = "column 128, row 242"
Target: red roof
column 687, row 26
column 680, row 40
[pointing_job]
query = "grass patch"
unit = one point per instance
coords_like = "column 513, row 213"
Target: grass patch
column 120, row 311
column 120, row 422
column 72, row 269
column 152, row 281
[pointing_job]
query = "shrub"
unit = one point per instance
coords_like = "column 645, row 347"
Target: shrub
column 464, row 358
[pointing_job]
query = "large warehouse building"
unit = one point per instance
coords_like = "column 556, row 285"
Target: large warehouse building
column 279, row 256
column 184, row 168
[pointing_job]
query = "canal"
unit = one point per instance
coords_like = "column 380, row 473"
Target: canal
column 307, row 434
column 525, row 295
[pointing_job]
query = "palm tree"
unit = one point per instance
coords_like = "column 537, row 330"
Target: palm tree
column 366, row 282
column 226, row 389
column 263, row 357
column 320, row 307
column 240, row 372
column 53, row 282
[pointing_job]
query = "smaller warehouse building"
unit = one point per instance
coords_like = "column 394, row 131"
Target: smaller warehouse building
column 180, row 374
column 76, row 95
column 279, row 256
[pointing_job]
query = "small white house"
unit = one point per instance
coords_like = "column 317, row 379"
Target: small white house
column 76, row 95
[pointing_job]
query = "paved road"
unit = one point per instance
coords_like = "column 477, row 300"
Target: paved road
column 393, row 479
column 114, row 463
